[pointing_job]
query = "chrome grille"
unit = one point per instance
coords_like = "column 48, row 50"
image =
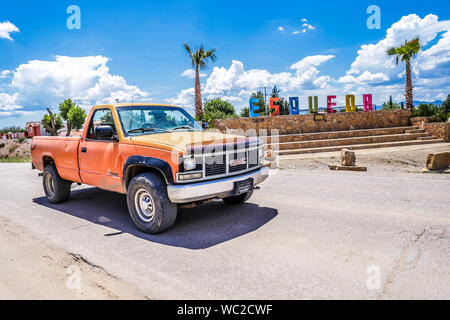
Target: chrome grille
column 215, row 165
column 253, row 160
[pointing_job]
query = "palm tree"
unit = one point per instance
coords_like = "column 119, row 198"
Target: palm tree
column 405, row 53
column 199, row 60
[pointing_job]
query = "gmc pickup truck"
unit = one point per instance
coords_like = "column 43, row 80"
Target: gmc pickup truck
column 155, row 154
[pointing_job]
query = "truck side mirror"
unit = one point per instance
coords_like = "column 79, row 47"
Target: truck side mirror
column 104, row 132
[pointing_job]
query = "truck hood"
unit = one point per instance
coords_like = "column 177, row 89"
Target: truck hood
column 187, row 141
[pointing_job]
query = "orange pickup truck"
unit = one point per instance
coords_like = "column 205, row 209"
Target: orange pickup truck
column 155, row 154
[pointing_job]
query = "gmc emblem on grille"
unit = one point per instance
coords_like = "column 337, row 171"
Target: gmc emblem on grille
column 238, row 162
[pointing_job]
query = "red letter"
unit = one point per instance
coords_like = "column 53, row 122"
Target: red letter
column 367, row 101
column 273, row 105
column 330, row 104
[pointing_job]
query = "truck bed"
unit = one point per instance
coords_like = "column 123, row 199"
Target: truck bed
column 63, row 151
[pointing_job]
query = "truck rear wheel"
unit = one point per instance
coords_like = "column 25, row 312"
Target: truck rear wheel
column 149, row 206
column 57, row 190
column 238, row 199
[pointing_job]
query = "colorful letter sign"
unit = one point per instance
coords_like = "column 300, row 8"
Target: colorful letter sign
column 294, row 105
column 253, row 108
column 273, row 105
column 331, row 104
column 316, row 104
column 313, row 105
column 350, row 105
column 367, row 102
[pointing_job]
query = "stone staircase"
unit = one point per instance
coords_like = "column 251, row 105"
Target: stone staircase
column 352, row 139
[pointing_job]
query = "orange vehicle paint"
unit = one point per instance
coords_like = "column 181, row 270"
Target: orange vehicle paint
column 101, row 163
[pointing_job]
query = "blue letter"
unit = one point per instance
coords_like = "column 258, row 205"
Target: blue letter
column 294, row 105
column 254, row 108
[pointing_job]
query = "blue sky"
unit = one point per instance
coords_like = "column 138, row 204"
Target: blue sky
column 134, row 48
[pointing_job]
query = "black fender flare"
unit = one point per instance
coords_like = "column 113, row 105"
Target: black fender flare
column 154, row 163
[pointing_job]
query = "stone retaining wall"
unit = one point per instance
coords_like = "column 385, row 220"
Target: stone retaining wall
column 440, row 130
column 339, row 121
column 417, row 121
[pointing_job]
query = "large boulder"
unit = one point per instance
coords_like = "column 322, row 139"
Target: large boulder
column 348, row 157
column 438, row 161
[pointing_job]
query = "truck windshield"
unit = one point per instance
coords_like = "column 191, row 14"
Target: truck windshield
column 139, row 120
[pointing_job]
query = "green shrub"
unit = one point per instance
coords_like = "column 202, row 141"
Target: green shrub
column 442, row 115
column 426, row 110
column 219, row 109
column 245, row 112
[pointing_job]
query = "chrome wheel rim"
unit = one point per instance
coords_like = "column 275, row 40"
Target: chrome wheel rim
column 49, row 185
column 144, row 205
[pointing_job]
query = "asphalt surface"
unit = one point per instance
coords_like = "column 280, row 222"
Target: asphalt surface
column 304, row 235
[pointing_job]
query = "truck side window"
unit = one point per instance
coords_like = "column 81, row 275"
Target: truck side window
column 100, row 118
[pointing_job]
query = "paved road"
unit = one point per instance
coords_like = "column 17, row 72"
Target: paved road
column 305, row 234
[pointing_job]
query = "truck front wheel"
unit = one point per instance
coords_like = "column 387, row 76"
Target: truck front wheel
column 56, row 189
column 150, row 208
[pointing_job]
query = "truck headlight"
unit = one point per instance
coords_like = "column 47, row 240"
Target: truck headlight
column 189, row 164
column 190, row 176
column 261, row 153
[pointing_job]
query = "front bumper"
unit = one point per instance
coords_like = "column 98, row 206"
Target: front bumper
column 220, row 188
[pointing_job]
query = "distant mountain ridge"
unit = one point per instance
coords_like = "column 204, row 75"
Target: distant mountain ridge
column 436, row 102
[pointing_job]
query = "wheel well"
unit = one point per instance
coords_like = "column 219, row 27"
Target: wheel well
column 47, row 161
column 134, row 170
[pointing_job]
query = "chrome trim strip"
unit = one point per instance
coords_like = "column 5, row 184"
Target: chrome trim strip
column 212, row 189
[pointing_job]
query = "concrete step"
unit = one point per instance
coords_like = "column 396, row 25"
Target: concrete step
column 415, row 131
column 429, row 137
column 337, row 134
column 359, row 146
column 345, row 141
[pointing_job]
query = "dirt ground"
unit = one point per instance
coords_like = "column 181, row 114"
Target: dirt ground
column 15, row 148
column 399, row 160
column 32, row 269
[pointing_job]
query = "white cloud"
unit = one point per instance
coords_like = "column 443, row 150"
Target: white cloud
column 6, row 28
column 39, row 84
column 4, row 74
column 184, row 99
column 304, row 20
column 236, row 84
column 280, row 28
column 365, row 77
column 190, row 73
column 296, row 32
column 307, row 26
column 373, row 68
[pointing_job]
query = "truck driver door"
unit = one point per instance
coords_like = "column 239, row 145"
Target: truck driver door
column 98, row 153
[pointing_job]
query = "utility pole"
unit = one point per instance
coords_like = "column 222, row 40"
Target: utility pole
column 265, row 96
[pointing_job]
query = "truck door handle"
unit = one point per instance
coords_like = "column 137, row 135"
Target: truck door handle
column 84, row 150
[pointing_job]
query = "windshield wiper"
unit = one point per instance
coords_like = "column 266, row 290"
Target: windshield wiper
column 183, row 127
column 146, row 130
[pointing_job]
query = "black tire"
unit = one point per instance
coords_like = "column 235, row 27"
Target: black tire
column 238, row 199
column 57, row 190
column 150, row 208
